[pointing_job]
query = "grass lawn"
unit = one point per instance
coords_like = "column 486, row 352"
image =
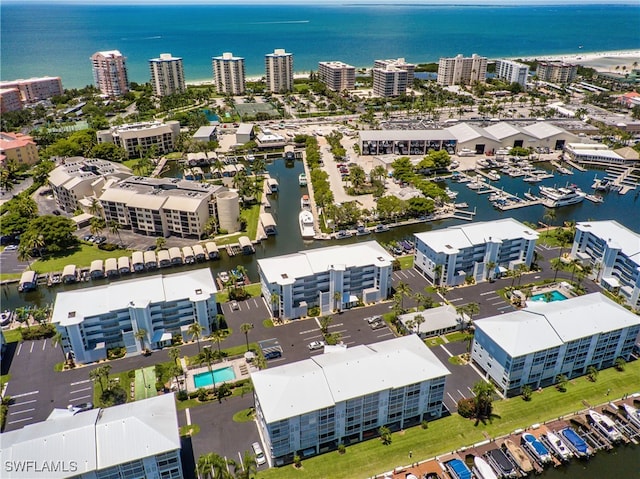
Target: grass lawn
column 406, row 262
column 8, row 276
column 121, row 378
column 230, row 239
column 433, row 342
column 371, row 457
column 254, row 291
column 251, row 216
column 456, row 336
column 245, row 415
column 82, row 256
column 13, row 335
column 191, row 430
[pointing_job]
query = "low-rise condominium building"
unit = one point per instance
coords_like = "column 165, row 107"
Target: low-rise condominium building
column 337, row 76
column 78, row 178
column 333, row 279
column 229, row 74
column 279, row 71
column 533, row 346
column 170, row 206
column 137, row 314
column 110, row 73
column 128, row 441
column 612, row 251
column 167, row 75
column 35, row 89
column 478, row 251
column 461, row 70
column 512, row 72
column 18, row 148
column 138, row 139
column 344, row 396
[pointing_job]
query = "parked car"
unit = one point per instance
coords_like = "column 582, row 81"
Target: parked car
column 11, row 247
column 56, row 212
column 257, row 450
column 234, row 305
column 85, row 406
column 377, row 325
column 373, row 319
column 313, row 345
column 87, row 238
column 100, row 239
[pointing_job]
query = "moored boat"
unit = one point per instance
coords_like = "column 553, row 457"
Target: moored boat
column 306, row 222
column 535, row 447
column 362, row 231
column 633, row 414
column 458, row 469
column 501, row 463
column 558, row 197
column 344, row 234
column 558, row 446
column 305, row 202
column 605, row 425
column 519, row 456
column 5, row 317
column 575, row 442
column 302, row 179
column 380, row 228
column 482, row 469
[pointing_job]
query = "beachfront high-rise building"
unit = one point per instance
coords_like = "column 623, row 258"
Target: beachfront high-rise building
column 167, row 75
column 389, row 81
column 279, row 71
column 337, row 76
column 35, row 89
column 10, row 100
column 513, row 72
column 229, row 74
column 110, row 72
column 461, row 70
column 556, row 72
column 398, row 63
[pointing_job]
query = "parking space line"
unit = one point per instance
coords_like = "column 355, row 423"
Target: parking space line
column 80, row 390
column 496, row 304
column 506, row 307
column 30, row 393
column 385, row 335
column 31, row 350
column 493, row 297
column 460, row 392
column 453, row 300
column 44, row 345
column 80, row 382
column 79, row 399
column 255, row 301
column 22, row 412
column 24, row 402
column 308, row 331
column 487, row 292
column 20, row 420
column 19, row 349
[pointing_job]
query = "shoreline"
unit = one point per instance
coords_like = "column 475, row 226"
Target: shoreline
column 582, row 58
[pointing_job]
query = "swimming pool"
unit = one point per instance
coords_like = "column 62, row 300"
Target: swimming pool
column 205, row 379
column 555, row 296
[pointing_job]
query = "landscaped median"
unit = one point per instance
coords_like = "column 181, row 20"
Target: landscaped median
column 369, row 458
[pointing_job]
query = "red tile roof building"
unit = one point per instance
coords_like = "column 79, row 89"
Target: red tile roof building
column 18, row 147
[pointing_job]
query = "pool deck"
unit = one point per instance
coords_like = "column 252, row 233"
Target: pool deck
column 240, row 368
column 563, row 288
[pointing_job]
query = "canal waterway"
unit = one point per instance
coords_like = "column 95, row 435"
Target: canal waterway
column 622, row 462
column 285, row 207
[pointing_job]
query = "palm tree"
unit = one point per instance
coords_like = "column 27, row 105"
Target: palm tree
column 337, row 297
column 472, row 308
column 95, row 376
column 423, row 300
column 56, row 340
column 592, row 372
column 275, row 303
column 97, row 225
column 212, row 466
column 24, row 255
column 174, row 355
column 95, row 208
column 483, row 397
column 249, row 466
column 437, row 274
column 549, row 215
column 22, row 315
column 385, row 435
column 160, row 242
column 114, row 228
column 418, row 319
column 490, row 266
column 141, row 335
column 561, row 382
column 404, row 290
column 245, row 328
column 207, row 356
column 195, row 331
column 218, row 336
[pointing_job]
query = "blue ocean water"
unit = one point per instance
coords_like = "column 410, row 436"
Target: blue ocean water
column 57, row 40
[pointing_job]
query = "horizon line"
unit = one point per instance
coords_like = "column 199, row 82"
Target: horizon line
column 364, row 3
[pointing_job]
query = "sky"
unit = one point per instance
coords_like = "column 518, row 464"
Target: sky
column 321, row 2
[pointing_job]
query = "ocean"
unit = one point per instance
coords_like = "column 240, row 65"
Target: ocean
column 57, row 40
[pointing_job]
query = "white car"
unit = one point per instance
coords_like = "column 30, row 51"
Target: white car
column 11, row 247
column 313, row 345
column 234, row 305
column 257, row 450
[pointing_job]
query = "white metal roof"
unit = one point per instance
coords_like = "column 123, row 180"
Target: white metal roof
column 543, row 325
column 504, row 130
column 434, row 318
column 309, row 263
column 95, row 439
column 324, row 380
column 616, row 236
column 543, row 129
column 89, row 302
column 451, row 240
column 465, row 132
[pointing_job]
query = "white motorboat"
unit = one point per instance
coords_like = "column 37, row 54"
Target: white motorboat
column 482, row 469
column 605, row 425
column 380, row 228
column 493, row 175
column 558, row 446
column 450, row 193
column 633, row 414
column 305, row 203
column 536, row 448
column 306, row 222
column 557, row 197
column 302, row 179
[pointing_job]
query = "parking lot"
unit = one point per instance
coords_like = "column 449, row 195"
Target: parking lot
column 9, row 262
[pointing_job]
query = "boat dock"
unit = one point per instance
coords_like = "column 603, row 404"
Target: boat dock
column 505, row 201
column 620, row 179
column 572, row 164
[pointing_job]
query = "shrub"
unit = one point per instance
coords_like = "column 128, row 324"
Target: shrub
column 38, row 332
column 341, row 448
column 116, row 353
column 159, row 386
column 108, row 246
column 466, row 407
column 182, row 395
column 297, row 461
column 424, row 425
column 202, row 395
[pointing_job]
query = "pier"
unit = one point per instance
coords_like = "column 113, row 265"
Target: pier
column 504, row 200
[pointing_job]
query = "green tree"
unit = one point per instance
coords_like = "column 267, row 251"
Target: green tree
column 404, row 290
column 561, row 382
column 249, row 467
column 55, row 231
column 620, row 364
column 337, row 298
column 219, row 335
column 141, row 335
column 174, row 355
column 592, row 373
column 195, row 331
column 97, row 225
column 114, row 228
column 160, row 242
column 245, row 328
column 108, row 151
column 483, row 396
column 385, row 435
column 207, row 356
column 527, row 392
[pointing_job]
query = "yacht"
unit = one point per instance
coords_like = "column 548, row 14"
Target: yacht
column 605, row 425
column 305, row 203
column 519, row 456
column 344, row 234
column 482, row 469
column 306, row 224
column 633, row 414
column 493, row 175
column 450, row 193
column 557, row 197
column 558, row 447
column 535, row 447
column 575, row 442
column 362, row 231
column 380, row 228
column 302, row 179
